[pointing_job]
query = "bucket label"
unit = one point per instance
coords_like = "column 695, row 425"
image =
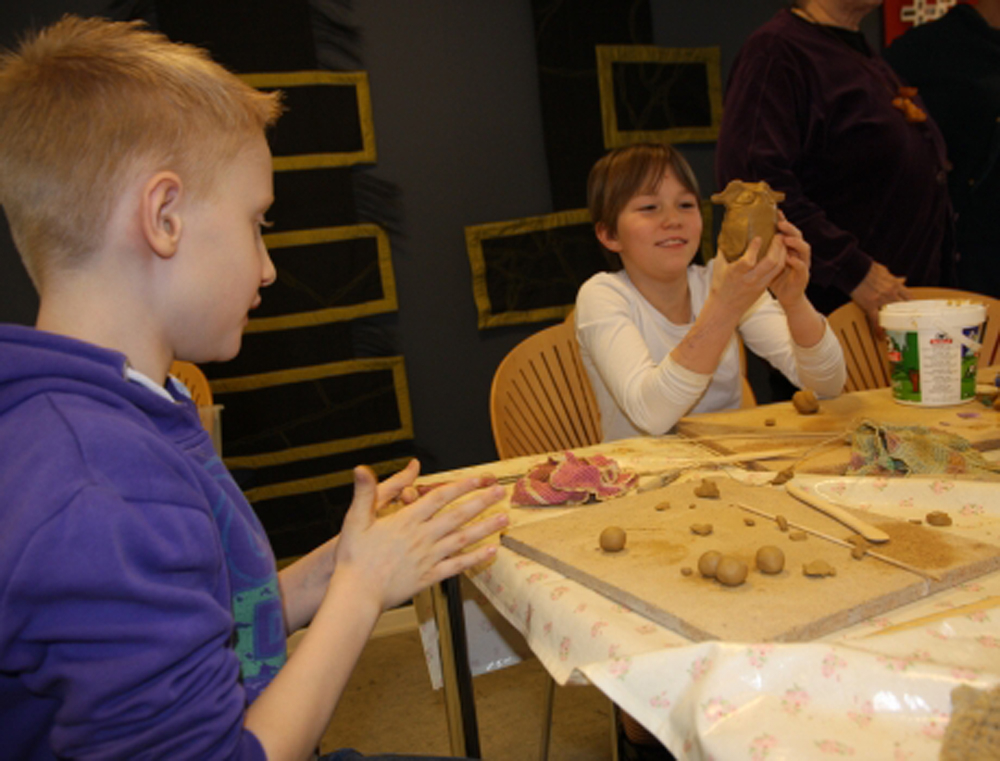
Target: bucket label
column 931, row 366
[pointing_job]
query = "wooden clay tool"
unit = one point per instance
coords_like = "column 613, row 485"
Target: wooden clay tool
column 869, row 532
column 842, row 543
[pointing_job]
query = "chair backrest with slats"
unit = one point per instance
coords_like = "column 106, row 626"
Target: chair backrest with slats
column 866, row 355
column 541, row 399
column 195, row 381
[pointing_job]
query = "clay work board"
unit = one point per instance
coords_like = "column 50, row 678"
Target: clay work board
column 788, row 607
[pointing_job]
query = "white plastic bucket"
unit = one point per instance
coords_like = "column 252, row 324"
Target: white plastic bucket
column 933, row 349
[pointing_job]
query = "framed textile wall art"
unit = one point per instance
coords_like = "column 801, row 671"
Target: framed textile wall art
column 653, row 94
column 314, row 390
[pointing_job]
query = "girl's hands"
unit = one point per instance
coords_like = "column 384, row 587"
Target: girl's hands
column 396, row 556
column 789, row 287
column 740, row 283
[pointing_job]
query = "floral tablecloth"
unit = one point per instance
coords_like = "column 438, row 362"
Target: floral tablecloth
column 876, row 690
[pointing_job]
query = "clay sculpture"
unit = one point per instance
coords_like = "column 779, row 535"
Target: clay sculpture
column 751, row 211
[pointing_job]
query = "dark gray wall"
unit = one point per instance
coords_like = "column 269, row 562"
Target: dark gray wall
column 458, row 130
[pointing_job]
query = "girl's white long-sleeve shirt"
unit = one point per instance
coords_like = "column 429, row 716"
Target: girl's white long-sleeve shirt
column 626, row 342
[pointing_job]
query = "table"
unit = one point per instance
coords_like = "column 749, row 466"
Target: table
column 873, row 690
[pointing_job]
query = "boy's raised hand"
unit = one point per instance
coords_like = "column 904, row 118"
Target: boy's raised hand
column 789, row 286
column 397, row 555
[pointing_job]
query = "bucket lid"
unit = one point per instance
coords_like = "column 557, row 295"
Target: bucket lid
column 954, row 311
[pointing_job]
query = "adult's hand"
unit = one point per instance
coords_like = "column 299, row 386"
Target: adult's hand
column 880, row 287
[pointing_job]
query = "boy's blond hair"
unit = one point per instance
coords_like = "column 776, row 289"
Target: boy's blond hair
column 86, row 105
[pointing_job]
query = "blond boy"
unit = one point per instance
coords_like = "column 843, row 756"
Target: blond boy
column 140, row 612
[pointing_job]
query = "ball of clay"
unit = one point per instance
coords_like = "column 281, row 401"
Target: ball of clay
column 938, row 518
column 731, row 571
column 805, row 402
column 701, row 529
column 770, row 559
column 708, row 563
column 613, row 539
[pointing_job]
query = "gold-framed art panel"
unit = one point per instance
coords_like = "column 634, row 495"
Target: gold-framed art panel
column 293, row 238
column 608, row 55
column 332, row 480
column 318, row 372
column 474, row 237
column 357, row 79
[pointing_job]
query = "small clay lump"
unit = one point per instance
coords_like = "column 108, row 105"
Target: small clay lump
column 613, row 539
column 770, row 559
column 805, row 402
column 938, row 518
column 707, row 489
column 818, row 568
column 731, row 571
column 708, row 563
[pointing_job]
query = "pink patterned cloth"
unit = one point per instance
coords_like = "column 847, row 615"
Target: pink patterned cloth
column 566, row 479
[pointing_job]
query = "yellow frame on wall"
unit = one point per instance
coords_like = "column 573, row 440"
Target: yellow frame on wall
column 291, row 239
column 359, row 79
column 608, row 55
column 317, row 372
column 319, row 483
column 474, row 237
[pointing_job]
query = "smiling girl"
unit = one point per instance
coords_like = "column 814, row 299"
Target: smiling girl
column 659, row 337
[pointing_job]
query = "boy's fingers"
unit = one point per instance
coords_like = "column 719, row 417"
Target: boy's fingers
column 442, row 524
column 397, row 483
column 469, row 533
column 456, row 564
column 428, row 505
column 364, row 502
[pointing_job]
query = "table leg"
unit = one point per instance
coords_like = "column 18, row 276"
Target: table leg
column 460, row 704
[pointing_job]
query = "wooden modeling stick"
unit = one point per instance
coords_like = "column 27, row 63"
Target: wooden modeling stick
column 751, row 210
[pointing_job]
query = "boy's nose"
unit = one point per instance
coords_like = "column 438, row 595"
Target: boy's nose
column 268, row 273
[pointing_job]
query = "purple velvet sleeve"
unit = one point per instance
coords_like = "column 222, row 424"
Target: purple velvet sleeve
column 765, row 126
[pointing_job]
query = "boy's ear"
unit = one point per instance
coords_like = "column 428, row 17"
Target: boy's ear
column 607, row 238
column 160, row 217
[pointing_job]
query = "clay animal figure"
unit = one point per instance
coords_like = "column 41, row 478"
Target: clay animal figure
column 751, row 210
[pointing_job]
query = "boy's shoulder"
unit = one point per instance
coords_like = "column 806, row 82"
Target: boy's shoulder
column 69, row 419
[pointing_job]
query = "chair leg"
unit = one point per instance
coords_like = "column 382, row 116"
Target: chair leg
column 550, row 693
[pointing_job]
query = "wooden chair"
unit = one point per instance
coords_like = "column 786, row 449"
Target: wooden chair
column 866, row 355
column 201, row 394
column 194, row 379
column 541, row 399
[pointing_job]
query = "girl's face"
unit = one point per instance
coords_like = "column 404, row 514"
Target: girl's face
column 659, row 232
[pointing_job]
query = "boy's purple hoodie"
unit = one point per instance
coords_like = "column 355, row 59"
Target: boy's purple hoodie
column 139, row 605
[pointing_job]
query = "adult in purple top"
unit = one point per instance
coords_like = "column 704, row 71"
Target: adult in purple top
column 811, row 109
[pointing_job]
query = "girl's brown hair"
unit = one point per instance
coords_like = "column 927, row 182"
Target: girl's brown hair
column 624, row 173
